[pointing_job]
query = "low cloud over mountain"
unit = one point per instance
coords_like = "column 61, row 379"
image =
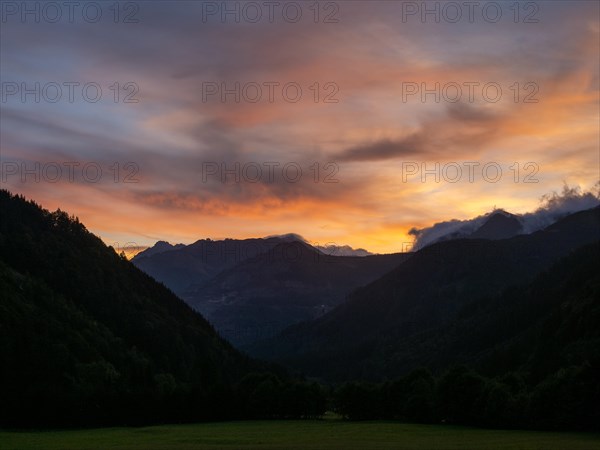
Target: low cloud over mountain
column 342, row 250
column 500, row 224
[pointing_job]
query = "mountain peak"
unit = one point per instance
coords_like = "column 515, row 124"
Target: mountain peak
column 499, row 225
column 159, row 247
column 342, row 250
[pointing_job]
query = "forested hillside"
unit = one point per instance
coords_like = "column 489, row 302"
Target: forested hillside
column 403, row 320
column 530, row 358
column 87, row 338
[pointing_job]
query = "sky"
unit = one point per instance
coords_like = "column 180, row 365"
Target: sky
column 347, row 122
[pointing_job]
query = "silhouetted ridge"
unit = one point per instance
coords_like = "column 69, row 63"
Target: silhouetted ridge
column 289, row 283
column 372, row 334
column 86, row 338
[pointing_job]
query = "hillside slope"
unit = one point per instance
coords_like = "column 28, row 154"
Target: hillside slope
column 290, row 283
column 366, row 336
column 86, row 337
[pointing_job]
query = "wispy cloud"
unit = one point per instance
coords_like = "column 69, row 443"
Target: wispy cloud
column 369, row 55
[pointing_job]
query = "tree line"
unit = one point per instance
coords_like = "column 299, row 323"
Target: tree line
column 568, row 399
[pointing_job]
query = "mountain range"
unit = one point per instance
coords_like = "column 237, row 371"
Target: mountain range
column 251, row 289
column 292, row 282
column 180, row 267
column 398, row 322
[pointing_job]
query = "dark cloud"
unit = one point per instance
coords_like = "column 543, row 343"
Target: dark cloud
column 463, row 129
column 171, row 180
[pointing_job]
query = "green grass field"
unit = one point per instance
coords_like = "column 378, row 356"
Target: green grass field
column 301, row 435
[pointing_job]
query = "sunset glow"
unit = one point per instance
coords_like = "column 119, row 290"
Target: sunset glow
column 359, row 134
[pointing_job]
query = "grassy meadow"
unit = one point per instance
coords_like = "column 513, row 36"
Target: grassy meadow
column 300, row 435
